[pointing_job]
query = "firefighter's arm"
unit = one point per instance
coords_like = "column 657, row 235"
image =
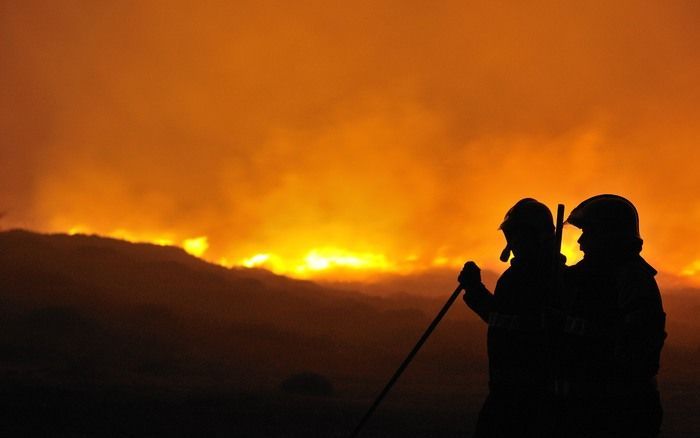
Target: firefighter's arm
column 477, row 297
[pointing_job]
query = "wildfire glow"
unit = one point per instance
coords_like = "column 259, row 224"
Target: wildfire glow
column 123, row 234
column 343, row 263
column 256, row 260
column 196, row 245
column 692, row 269
column 321, row 259
column 318, row 260
column 569, row 245
column 335, row 138
column 76, row 230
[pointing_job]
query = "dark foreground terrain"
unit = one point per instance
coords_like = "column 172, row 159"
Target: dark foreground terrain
column 105, row 338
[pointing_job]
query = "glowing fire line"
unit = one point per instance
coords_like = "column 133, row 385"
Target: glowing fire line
column 328, row 260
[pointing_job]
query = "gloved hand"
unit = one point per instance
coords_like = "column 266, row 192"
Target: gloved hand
column 470, row 276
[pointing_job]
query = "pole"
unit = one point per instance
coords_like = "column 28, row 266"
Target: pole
column 407, row 361
column 558, row 233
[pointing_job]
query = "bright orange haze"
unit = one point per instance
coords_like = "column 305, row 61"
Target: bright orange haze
column 378, row 135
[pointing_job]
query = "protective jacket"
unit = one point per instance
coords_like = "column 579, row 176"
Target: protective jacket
column 610, row 344
column 515, row 336
column 517, row 350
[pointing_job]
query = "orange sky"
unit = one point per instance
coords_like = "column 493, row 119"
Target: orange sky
column 392, row 134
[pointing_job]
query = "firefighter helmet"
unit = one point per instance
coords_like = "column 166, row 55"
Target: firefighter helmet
column 610, row 213
column 530, row 215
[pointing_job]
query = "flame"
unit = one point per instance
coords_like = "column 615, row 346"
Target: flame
column 196, row 246
column 328, row 258
column 320, row 260
column 256, row 260
column 340, row 263
column 78, row 229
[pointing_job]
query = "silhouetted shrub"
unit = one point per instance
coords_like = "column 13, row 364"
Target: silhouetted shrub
column 307, row 383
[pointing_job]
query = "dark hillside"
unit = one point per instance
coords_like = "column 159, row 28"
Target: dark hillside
column 118, row 333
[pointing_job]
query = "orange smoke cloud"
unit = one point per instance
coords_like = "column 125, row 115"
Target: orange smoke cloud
column 379, row 135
